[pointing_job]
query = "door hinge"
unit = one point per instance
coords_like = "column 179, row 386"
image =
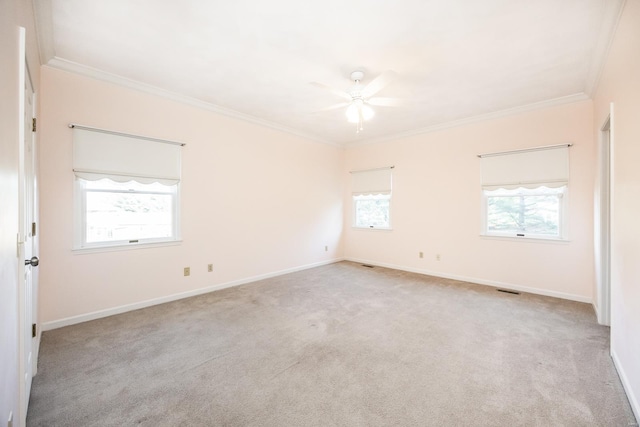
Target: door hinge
column 33, row 330
column 33, row 229
column 33, row 127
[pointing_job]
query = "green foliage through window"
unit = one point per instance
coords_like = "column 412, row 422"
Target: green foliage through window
column 372, row 211
column 531, row 212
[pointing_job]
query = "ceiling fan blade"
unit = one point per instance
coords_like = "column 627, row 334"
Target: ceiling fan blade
column 335, row 107
column 378, row 83
column 385, row 102
column 337, row 92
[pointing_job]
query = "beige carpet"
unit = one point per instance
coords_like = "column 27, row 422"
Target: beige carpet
column 340, row 345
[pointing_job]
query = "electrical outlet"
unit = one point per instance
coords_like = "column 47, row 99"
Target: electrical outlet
column 210, row 268
column 437, row 257
column 187, row 271
column 421, row 255
column 326, row 248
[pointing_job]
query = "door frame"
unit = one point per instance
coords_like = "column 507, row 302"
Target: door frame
column 603, row 224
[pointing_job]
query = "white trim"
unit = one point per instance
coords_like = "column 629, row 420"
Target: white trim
column 44, row 29
column 80, row 243
column 473, row 280
column 55, row 324
column 595, row 308
column 528, row 239
column 602, row 230
column 612, row 230
column 563, row 236
column 603, row 45
column 73, row 67
column 124, row 247
column 371, row 228
column 23, row 398
column 626, row 384
column 577, row 97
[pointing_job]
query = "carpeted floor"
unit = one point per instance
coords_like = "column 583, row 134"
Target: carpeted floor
column 340, row 345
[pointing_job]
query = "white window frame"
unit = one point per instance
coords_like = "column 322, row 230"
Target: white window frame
column 129, row 161
column 371, row 184
column 354, row 222
column 527, row 169
column 562, row 225
column 80, row 220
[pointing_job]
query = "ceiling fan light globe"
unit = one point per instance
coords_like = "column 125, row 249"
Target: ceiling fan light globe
column 353, row 115
column 367, row 112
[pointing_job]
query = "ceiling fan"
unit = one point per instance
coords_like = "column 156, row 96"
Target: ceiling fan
column 360, row 98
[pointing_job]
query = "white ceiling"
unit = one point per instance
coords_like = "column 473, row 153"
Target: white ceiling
column 457, row 60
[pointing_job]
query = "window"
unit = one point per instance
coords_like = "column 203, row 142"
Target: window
column 372, row 211
column 126, row 189
column 524, row 193
column 123, row 213
column 524, row 212
column 371, row 191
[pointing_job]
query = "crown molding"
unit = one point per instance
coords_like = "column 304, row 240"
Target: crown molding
column 73, row 67
column 43, row 16
column 83, row 70
column 475, row 119
column 603, row 45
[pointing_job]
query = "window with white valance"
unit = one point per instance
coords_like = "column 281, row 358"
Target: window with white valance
column 374, row 181
column 525, row 192
column 126, row 189
column 99, row 154
column 371, row 192
column 532, row 168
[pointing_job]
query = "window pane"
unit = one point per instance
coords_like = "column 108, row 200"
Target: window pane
column 128, row 216
column 537, row 214
column 371, row 211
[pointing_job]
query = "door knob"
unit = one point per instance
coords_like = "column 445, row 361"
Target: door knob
column 33, row 262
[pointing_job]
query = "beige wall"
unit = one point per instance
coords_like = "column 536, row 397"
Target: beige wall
column 620, row 84
column 436, row 205
column 13, row 13
column 254, row 202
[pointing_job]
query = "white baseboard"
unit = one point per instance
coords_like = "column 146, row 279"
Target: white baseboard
column 626, row 384
column 502, row 285
column 55, row 324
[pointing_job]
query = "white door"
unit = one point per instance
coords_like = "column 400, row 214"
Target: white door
column 27, row 240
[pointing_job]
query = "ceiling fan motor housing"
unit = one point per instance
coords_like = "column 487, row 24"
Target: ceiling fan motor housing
column 356, row 90
column 357, row 76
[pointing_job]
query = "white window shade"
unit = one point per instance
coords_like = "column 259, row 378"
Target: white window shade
column 546, row 166
column 371, row 182
column 99, row 154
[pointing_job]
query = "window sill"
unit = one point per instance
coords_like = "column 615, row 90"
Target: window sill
column 371, row 228
column 525, row 239
column 124, row 247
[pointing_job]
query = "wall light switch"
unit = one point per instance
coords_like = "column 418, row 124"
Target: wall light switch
column 209, row 268
column 187, row 271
